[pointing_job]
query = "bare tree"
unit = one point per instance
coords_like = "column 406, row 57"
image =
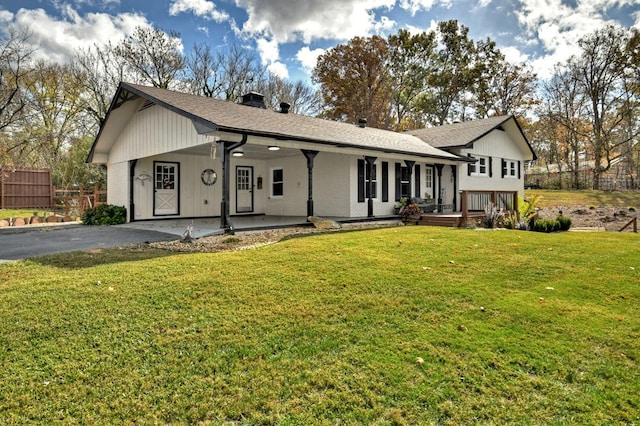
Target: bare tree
column 99, row 70
column 301, row 97
column 15, row 64
column 155, row 56
column 564, row 106
column 225, row 75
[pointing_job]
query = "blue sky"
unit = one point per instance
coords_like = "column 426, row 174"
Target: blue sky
column 288, row 35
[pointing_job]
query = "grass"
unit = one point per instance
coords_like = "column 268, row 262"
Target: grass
column 375, row 327
column 6, row 213
column 623, row 199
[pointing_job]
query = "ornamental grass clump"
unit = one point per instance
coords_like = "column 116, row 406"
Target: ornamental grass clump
column 560, row 223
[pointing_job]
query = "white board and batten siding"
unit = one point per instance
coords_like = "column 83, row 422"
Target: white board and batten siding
column 155, row 131
column 118, row 184
column 497, row 145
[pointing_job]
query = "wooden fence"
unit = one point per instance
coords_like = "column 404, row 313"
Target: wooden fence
column 25, row 188
column 73, row 202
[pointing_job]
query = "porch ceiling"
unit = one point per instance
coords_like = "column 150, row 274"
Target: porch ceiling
column 254, row 152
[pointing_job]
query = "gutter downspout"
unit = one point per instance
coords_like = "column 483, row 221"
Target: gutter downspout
column 132, row 173
column 225, row 217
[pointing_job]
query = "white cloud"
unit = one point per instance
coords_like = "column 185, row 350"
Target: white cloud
column 559, row 26
column 203, row 8
column 415, row 6
column 279, row 69
column 514, row 55
column 268, row 50
column 309, row 20
column 6, row 17
column 309, row 58
column 57, row 39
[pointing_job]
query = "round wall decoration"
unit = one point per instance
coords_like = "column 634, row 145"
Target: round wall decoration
column 208, row 177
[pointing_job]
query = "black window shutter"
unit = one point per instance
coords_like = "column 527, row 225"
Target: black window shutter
column 490, row 166
column 518, row 169
column 398, row 181
column 469, row 166
column 385, row 181
column 504, row 168
column 361, row 181
column 416, row 172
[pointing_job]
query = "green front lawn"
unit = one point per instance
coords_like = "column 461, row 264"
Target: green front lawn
column 7, row 213
column 394, row 326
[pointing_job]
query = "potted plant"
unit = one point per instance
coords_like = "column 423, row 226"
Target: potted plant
column 410, row 213
column 399, row 205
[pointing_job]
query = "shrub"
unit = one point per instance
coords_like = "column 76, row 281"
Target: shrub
column 105, row 214
column 564, row 223
column 560, row 223
column 410, row 212
column 546, row 225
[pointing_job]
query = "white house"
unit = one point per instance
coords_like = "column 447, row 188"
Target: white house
column 175, row 155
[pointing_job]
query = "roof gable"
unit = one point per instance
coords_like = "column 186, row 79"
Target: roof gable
column 465, row 134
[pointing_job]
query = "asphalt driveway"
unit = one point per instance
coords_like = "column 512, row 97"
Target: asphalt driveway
column 25, row 242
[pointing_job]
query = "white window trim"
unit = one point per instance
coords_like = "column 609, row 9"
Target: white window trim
column 512, row 169
column 271, row 170
column 375, row 181
column 476, row 172
column 428, row 177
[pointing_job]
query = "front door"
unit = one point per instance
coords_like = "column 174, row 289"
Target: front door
column 166, row 195
column 244, row 189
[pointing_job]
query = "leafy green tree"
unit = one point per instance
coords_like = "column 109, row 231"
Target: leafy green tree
column 55, row 115
column 355, row 81
column 503, row 88
column 452, row 76
column 411, row 57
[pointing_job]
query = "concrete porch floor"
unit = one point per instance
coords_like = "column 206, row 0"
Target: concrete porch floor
column 203, row 227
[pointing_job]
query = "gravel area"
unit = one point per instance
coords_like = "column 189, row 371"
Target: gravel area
column 602, row 218
column 251, row 239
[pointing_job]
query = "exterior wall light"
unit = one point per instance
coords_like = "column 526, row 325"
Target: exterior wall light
column 273, row 148
column 237, row 153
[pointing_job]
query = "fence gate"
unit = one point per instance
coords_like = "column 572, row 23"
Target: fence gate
column 25, row 188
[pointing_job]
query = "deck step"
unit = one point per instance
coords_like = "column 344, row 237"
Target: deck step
column 445, row 220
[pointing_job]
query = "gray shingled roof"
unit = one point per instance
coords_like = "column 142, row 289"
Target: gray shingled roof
column 229, row 116
column 459, row 134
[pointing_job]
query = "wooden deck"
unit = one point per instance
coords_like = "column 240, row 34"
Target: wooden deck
column 455, row 220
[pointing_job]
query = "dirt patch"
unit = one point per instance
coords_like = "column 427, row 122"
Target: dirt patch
column 607, row 218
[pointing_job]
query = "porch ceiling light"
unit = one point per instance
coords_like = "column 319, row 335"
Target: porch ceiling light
column 273, row 148
column 237, row 153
